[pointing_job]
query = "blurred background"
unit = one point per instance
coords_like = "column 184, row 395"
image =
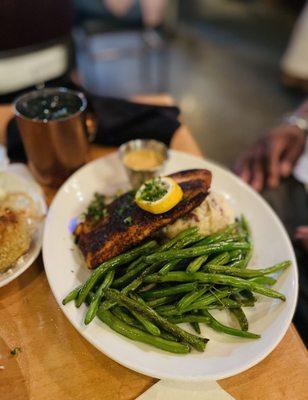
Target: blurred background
column 219, row 59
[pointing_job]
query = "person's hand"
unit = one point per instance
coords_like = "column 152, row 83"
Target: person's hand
column 272, row 157
column 301, row 234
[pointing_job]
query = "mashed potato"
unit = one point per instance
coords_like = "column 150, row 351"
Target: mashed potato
column 213, row 215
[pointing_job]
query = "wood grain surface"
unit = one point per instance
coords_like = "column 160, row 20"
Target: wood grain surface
column 55, row 362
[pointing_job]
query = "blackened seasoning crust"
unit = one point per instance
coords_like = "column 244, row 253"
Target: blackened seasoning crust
column 112, row 236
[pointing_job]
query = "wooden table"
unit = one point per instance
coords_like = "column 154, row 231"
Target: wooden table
column 55, row 362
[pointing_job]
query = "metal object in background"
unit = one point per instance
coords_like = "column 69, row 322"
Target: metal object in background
column 299, row 121
column 121, row 64
column 137, row 177
column 55, row 147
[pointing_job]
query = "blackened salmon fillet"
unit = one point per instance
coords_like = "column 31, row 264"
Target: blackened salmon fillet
column 126, row 224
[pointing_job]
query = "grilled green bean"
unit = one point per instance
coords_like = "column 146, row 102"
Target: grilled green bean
column 169, row 266
column 275, row 268
column 108, row 265
column 129, row 275
column 93, row 307
column 148, row 325
column 218, row 326
column 235, row 255
column 210, row 298
column 229, row 303
column 238, row 264
column 221, row 259
column 138, row 335
column 180, row 236
column 196, row 264
column 195, row 341
column 246, row 273
column 214, row 279
column 195, row 251
column 133, row 285
column 196, row 327
column 89, row 298
column 183, row 288
column 247, row 258
column 136, row 297
column 139, row 279
column 72, row 295
column 241, row 301
column 246, row 228
column 220, row 236
column 124, row 316
column 247, row 294
column 172, row 264
column 129, row 288
column 153, row 303
column 191, row 297
column 188, row 241
column 168, row 310
column 134, row 264
column 241, row 318
column 202, row 303
column 209, row 320
column 264, row 280
column 141, row 258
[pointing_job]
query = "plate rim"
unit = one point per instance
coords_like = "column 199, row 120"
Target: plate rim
column 27, row 264
column 144, row 371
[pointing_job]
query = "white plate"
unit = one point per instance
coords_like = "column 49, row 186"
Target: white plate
column 225, row 355
column 18, row 179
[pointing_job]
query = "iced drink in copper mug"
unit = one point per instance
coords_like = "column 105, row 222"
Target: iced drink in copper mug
column 52, row 123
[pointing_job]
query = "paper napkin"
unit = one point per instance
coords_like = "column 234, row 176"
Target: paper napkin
column 171, row 390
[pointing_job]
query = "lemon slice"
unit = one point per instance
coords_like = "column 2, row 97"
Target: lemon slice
column 159, row 195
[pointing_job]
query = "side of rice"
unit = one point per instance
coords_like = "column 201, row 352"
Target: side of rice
column 213, row 215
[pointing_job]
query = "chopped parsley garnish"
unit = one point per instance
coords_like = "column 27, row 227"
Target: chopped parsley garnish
column 15, row 351
column 125, row 206
column 128, row 220
column 122, row 209
column 97, row 208
column 153, row 190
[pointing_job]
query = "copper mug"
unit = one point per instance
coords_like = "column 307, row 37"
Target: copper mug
column 55, row 139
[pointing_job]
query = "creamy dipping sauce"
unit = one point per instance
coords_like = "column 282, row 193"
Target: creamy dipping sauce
column 142, row 159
